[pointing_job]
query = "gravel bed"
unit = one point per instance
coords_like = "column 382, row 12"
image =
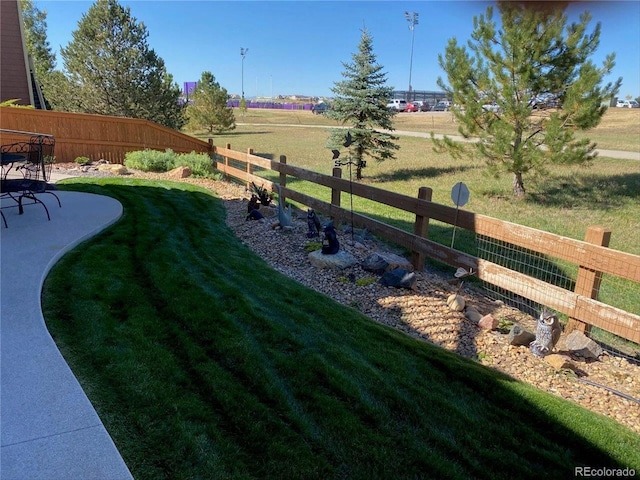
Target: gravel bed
column 423, row 312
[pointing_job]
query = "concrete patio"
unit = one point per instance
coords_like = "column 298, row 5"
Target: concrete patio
column 48, row 428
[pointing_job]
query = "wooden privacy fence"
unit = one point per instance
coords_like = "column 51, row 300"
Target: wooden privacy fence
column 592, row 255
column 96, row 136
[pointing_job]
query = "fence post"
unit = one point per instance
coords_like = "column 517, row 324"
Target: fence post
column 283, row 177
column 249, row 152
column 335, row 193
column 421, row 228
column 588, row 281
column 226, row 163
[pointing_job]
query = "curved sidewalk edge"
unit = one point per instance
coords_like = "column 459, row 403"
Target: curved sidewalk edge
column 48, row 428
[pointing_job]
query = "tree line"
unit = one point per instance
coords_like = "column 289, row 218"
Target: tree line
column 513, row 66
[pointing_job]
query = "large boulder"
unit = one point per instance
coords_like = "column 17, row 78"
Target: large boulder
column 336, row 261
column 179, row 173
column 579, row 344
column 519, row 335
column 380, row 262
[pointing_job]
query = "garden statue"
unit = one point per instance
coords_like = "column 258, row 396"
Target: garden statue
column 547, row 334
column 262, row 193
column 330, row 244
column 284, row 213
column 313, row 223
column 252, row 209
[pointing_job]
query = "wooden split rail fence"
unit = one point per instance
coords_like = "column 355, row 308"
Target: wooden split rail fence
column 591, row 255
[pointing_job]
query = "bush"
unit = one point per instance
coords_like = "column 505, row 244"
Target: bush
column 199, row 163
column 150, row 160
column 82, row 160
column 156, row 161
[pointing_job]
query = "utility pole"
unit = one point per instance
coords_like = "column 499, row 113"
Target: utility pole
column 412, row 18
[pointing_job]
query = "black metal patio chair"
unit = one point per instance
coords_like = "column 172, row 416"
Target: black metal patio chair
column 31, row 163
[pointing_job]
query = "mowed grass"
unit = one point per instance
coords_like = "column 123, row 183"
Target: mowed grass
column 204, row 363
column 566, row 201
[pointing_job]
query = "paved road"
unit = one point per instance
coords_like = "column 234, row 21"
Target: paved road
column 618, row 154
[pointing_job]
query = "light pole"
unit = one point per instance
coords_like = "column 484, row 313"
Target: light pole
column 412, row 18
column 243, row 53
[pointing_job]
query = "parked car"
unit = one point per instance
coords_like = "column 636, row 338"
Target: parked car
column 425, row 107
column 412, row 107
column 440, row 107
column 491, row 107
column 320, row 108
column 634, row 104
column 397, row 105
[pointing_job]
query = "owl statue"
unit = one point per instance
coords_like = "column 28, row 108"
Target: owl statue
column 547, row 334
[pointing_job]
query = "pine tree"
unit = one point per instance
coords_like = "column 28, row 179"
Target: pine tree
column 209, row 109
column 361, row 102
column 111, row 70
column 525, row 89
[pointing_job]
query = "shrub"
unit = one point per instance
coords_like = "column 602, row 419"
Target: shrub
column 150, row 160
column 200, row 164
column 82, row 160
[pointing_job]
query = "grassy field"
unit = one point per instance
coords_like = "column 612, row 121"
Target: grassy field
column 204, row 363
column 566, row 201
column 619, row 129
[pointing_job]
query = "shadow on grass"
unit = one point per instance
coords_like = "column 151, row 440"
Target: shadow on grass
column 587, row 191
column 405, row 174
column 204, row 362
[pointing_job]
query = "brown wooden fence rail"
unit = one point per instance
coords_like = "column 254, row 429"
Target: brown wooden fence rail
column 95, row 136
column 592, row 255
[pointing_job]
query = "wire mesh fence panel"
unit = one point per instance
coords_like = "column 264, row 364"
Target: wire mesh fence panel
column 554, row 272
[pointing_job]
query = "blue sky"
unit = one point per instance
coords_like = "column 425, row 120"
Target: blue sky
column 298, row 47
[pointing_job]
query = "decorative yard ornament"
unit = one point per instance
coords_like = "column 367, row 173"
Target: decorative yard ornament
column 348, row 140
column 252, row 208
column 460, row 197
column 262, row 193
column 547, row 334
column 284, row 213
column 330, row 244
column 313, row 223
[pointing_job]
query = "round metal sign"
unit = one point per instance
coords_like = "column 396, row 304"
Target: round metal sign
column 460, row 194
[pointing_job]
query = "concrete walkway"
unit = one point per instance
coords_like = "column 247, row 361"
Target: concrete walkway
column 48, row 428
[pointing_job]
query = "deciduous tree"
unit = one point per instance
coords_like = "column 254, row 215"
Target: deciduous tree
column 209, row 108
column 361, row 102
column 524, row 89
column 111, row 70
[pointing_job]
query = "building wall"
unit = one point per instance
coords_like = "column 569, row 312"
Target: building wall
column 14, row 80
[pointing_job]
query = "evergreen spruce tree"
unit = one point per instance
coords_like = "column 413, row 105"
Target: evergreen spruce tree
column 361, row 102
column 209, row 109
column 111, row 70
column 524, row 90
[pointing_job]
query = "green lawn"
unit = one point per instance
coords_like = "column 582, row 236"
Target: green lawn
column 203, row 362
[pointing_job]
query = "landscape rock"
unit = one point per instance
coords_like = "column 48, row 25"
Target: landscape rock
column 456, row 302
column 179, row 172
column 472, row 314
column 337, row 261
column 520, row 336
column 579, row 344
column 488, row 322
column 380, row 262
column 560, row 362
column 115, row 169
column 400, row 278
